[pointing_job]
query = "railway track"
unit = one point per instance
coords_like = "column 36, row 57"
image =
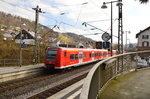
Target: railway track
column 55, row 89
column 10, row 85
column 43, row 85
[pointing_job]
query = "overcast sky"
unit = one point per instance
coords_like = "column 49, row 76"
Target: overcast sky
column 70, row 14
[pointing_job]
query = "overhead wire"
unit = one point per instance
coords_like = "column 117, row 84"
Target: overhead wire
column 99, row 20
column 74, row 4
column 57, row 22
column 78, row 15
column 112, row 23
column 30, row 11
column 16, row 6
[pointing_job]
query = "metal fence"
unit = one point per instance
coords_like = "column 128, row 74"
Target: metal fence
column 109, row 68
column 9, row 62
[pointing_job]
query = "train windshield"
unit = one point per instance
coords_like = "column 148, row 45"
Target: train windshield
column 51, row 55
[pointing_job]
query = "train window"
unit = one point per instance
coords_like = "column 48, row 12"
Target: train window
column 104, row 54
column 90, row 55
column 80, row 56
column 51, row 55
column 76, row 57
column 100, row 54
column 84, row 56
column 72, row 57
column 117, row 52
column 65, row 54
column 96, row 54
column 93, row 55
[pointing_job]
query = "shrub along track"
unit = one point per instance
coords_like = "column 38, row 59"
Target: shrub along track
column 34, row 87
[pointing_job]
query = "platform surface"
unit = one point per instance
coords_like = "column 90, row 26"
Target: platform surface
column 71, row 92
column 134, row 85
column 17, row 68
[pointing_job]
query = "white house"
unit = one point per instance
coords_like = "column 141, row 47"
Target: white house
column 27, row 37
column 143, row 39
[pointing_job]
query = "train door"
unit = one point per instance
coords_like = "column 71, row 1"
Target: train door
column 93, row 56
column 80, row 57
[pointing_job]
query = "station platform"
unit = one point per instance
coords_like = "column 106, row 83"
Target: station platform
column 17, row 68
column 133, row 85
column 71, row 92
column 11, row 73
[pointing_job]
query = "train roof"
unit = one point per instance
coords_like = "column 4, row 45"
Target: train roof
column 83, row 49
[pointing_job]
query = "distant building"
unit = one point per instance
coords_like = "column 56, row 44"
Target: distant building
column 143, row 39
column 8, row 35
column 27, row 37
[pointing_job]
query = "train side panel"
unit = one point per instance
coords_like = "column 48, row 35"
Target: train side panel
column 59, row 58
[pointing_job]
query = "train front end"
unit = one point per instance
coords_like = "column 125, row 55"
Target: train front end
column 52, row 58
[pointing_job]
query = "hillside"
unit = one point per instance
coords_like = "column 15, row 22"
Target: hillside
column 81, row 40
column 10, row 23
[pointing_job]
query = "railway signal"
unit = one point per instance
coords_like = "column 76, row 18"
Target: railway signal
column 102, row 45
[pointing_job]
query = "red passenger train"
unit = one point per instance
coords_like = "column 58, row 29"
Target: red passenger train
column 61, row 57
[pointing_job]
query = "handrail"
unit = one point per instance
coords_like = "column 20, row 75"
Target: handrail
column 95, row 78
column 9, row 62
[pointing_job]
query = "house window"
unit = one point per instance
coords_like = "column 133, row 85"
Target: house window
column 145, row 36
column 26, row 36
column 145, row 44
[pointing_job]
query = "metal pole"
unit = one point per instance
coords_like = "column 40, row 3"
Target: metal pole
column 122, row 42
column 104, row 6
column 111, row 28
column 36, row 50
column 21, row 48
column 120, row 29
column 118, row 34
column 36, row 42
column 126, row 40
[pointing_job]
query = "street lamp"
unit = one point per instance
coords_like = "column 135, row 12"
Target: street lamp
column 104, row 7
